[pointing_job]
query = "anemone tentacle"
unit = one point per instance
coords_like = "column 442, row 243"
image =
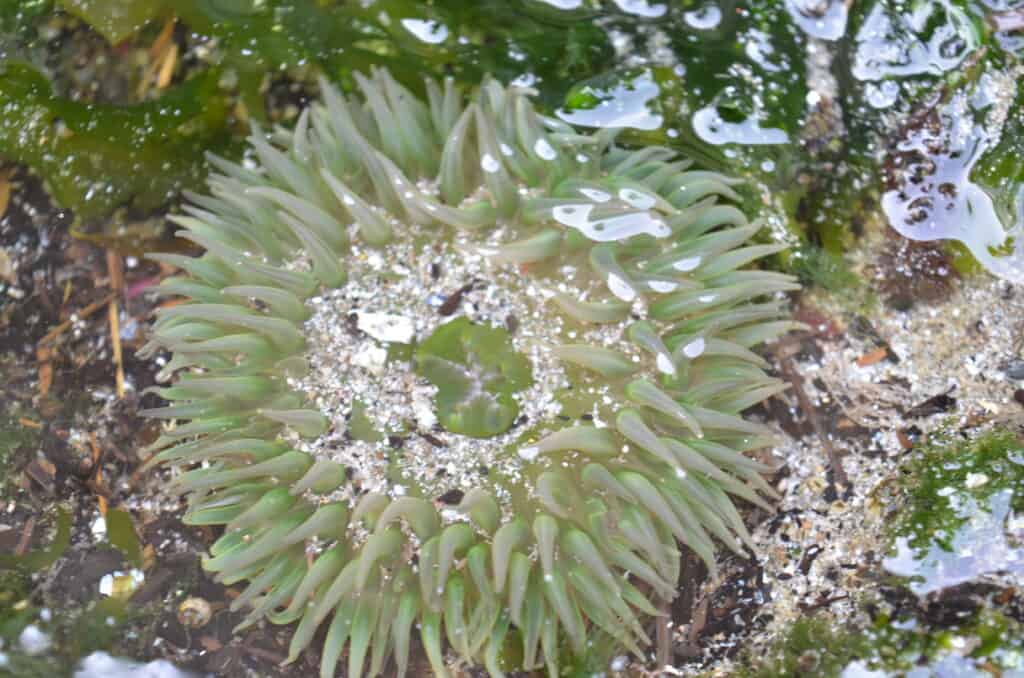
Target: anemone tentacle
column 594, row 546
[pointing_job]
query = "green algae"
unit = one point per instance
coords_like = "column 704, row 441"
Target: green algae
column 960, row 497
column 18, row 19
column 259, row 38
column 811, row 646
column 1000, row 171
column 71, row 629
column 967, row 641
column 122, row 536
column 477, row 372
column 987, row 635
column 14, row 436
column 96, row 157
column 117, row 20
column 821, row 268
column 818, row 646
column 74, row 631
column 465, row 40
column 748, row 68
column 947, row 465
column 40, row 559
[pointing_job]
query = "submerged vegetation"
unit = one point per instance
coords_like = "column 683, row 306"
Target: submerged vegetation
column 38, row 642
column 947, row 470
column 99, row 156
column 955, row 520
column 961, row 518
column 979, row 643
column 834, row 110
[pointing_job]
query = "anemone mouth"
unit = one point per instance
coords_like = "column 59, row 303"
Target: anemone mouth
column 453, row 393
column 323, row 394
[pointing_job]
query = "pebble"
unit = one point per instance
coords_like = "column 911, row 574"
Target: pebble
column 1015, row 369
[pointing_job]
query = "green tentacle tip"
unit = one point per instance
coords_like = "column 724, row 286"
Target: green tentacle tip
column 477, row 373
column 630, row 355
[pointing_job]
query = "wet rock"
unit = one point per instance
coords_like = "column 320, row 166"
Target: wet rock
column 1014, row 369
column 81, row 574
column 937, row 404
column 914, row 272
column 950, row 607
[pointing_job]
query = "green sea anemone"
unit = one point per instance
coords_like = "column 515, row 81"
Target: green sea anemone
column 510, row 465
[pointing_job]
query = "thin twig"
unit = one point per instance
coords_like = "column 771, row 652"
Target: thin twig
column 115, row 342
column 159, row 57
column 115, row 272
column 823, row 601
column 274, row 657
column 26, row 537
column 163, row 78
column 698, row 620
column 119, row 374
column 792, row 375
column 5, row 190
column 95, row 483
column 57, row 330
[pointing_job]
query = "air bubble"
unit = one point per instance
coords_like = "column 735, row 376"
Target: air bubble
column 643, row 201
column 529, row 453
column 687, row 264
column 620, row 288
column 489, row 163
column 543, row 149
column 663, row 286
column 642, row 8
column 595, row 194
column 695, row 348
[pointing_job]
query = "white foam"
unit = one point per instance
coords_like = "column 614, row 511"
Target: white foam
column 103, row 665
